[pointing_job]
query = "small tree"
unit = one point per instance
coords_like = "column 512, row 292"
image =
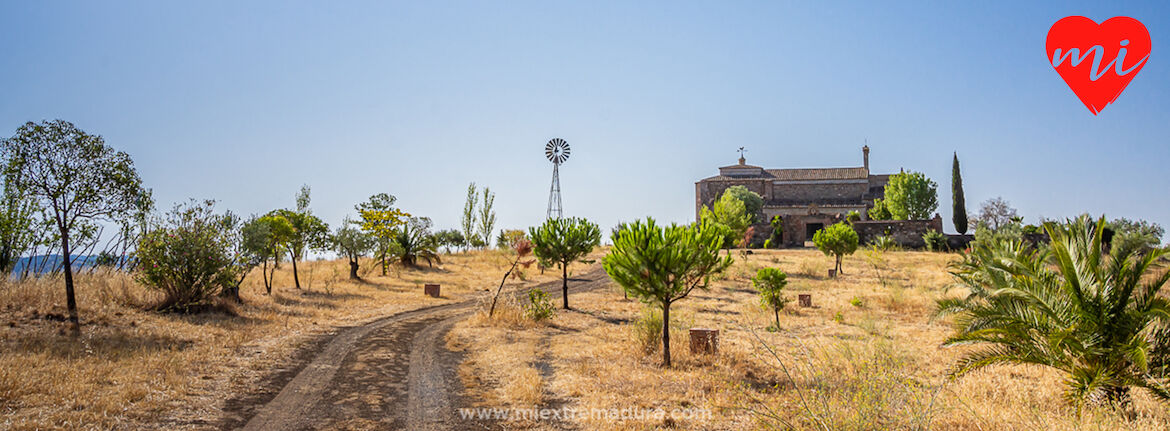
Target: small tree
column 777, row 239
column 77, row 178
column 243, row 257
column 450, row 238
column 662, row 265
column 188, row 258
column 381, row 220
column 522, row 248
column 487, row 217
column 958, row 201
column 414, row 241
column 911, row 196
column 770, row 283
column 838, row 240
column 265, row 237
column 852, row 216
column 308, row 233
column 562, row 241
column 352, row 243
column 753, row 203
column 468, row 222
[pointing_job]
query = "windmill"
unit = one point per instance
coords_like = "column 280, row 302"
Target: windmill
column 557, row 151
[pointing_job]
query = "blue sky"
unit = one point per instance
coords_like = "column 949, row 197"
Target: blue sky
column 245, row 101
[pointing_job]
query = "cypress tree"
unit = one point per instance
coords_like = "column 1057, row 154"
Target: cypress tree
column 960, row 203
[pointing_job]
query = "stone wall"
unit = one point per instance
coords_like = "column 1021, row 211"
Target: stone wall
column 908, row 233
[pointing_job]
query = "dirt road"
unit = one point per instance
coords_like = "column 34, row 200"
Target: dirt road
column 393, row 373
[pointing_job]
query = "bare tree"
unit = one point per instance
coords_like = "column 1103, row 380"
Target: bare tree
column 996, row 212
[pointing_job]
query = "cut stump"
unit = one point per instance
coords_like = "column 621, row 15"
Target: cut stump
column 704, row 340
column 431, row 290
column 805, row 300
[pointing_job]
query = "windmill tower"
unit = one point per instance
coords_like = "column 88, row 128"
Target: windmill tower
column 557, row 151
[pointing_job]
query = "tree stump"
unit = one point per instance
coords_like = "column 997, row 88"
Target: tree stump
column 832, row 273
column 431, row 290
column 704, row 340
column 805, row 300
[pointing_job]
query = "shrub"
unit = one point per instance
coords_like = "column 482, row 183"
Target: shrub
column 770, row 283
column 852, row 216
column 857, row 302
column 187, row 257
column 837, row 240
column 730, row 214
column 539, row 307
column 935, row 241
column 777, row 238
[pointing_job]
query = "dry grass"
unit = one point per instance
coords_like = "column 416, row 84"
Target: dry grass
column 879, row 367
column 136, row 369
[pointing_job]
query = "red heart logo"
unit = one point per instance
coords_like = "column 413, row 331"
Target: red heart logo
column 1098, row 61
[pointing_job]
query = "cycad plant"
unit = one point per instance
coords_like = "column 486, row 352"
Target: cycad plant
column 1096, row 316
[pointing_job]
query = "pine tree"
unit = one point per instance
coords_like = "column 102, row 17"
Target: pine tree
column 960, row 203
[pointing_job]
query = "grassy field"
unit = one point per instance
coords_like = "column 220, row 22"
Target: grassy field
column 865, row 356
column 136, row 369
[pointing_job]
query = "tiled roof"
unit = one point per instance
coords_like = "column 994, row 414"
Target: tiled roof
column 859, row 173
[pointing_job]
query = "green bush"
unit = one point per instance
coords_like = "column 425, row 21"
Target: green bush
column 884, row 243
column 770, row 283
column 539, row 307
column 935, row 241
column 187, row 257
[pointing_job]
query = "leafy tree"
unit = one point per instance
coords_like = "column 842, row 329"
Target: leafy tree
column 450, row 238
column 997, row 212
column 264, row 237
column 777, row 238
column 1145, row 235
column 352, row 243
column 911, row 196
column 731, row 214
column 770, row 283
column 562, row 241
column 469, row 215
column 189, row 257
column 508, row 237
column 662, row 265
column 309, row 232
column 753, row 203
column 880, row 210
column 487, row 217
column 1100, row 318
column 18, row 225
column 76, row 177
column 838, row 240
column 413, row 241
column 243, row 259
column 381, row 220
column 958, row 201
column 852, row 216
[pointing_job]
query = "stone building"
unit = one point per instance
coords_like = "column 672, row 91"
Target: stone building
column 807, row 199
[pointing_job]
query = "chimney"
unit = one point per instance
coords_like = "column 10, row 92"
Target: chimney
column 865, row 156
column 742, row 161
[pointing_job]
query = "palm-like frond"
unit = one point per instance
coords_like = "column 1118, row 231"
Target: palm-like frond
column 1096, row 316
